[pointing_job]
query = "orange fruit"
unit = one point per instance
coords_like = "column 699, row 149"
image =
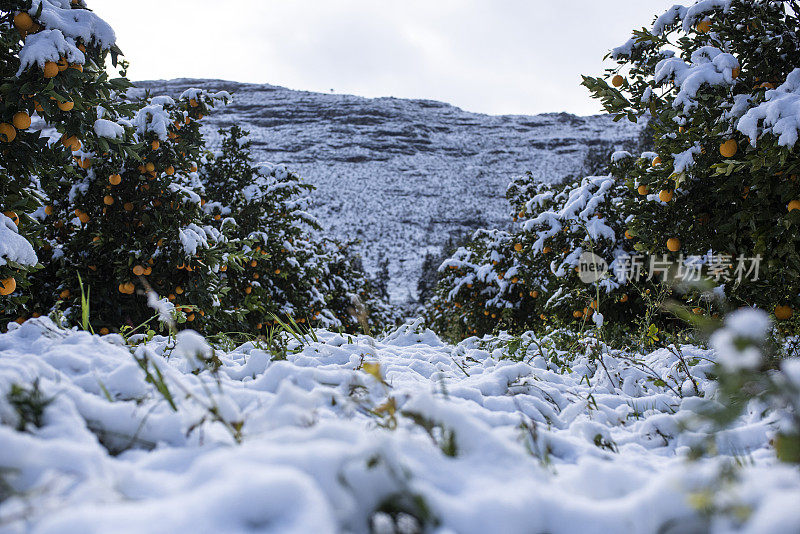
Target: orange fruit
column 21, row 120
column 577, row 314
column 7, row 133
column 104, row 331
column 253, row 263
column 82, row 215
column 623, row 298
column 194, row 168
column 656, row 161
column 628, row 235
column 546, row 250
column 13, row 216
column 783, row 313
column 673, row 244
column 248, row 290
column 728, row 148
column 128, row 206
column 534, row 294
column 138, row 270
column 62, row 64
column 155, row 145
column 64, row 294
column 23, row 21
column 193, row 103
column 115, row 179
column 66, row 106
column 703, row 26
column 170, row 170
column 8, row 286
column 108, row 200
column 277, row 271
column 735, row 72
column 793, row 205
column 665, row 195
column 150, row 167
column 643, row 190
column 179, row 290
column 50, row 69
column 77, row 66
column 190, row 317
column 48, row 210
column 518, row 247
column 617, row 81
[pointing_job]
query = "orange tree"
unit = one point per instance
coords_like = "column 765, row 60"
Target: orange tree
column 528, row 278
column 51, row 64
column 128, row 218
column 721, row 83
column 284, row 268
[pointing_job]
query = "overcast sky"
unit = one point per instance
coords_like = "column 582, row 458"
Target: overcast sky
column 491, row 56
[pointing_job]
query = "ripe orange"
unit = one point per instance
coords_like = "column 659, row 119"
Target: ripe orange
column 728, row 148
column 673, row 244
column 783, row 313
column 735, row 72
column 155, row 145
column 21, row 120
column 703, row 26
column 128, row 206
column 193, row 103
column 617, row 81
column 656, row 161
column 190, row 317
column 104, row 331
column 64, row 294
column 623, row 298
column 13, row 216
column 50, row 69
column 62, row 64
column 7, row 133
column 248, row 290
column 546, row 250
column 628, row 235
column 534, row 294
column 518, row 247
column 48, row 210
column 7, row 286
column 23, row 21
column 577, row 314
column 179, row 290
column 77, row 66
column 66, row 106
column 138, row 270
column 170, row 170
column 793, row 205
column 277, row 271
column 194, row 168
column 150, row 167
column 108, row 200
column 82, row 215
column 643, row 190
column 665, row 195
column 115, row 179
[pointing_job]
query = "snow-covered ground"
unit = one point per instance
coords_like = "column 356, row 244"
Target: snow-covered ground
column 352, row 434
column 404, row 175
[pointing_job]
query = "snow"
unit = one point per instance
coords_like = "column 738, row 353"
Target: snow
column 14, row 247
column 323, row 442
column 708, row 66
column 47, row 45
column 738, row 343
column 108, row 129
column 779, row 114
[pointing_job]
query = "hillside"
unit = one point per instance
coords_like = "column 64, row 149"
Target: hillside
column 404, row 175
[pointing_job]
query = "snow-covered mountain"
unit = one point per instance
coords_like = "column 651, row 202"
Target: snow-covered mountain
column 404, row 175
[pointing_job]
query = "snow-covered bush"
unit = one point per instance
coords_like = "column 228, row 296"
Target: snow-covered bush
column 52, row 70
column 529, row 277
column 126, row 218
column 720, row 82
column 285, row 268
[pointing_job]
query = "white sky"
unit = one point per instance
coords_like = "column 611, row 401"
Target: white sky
column 491, row 56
